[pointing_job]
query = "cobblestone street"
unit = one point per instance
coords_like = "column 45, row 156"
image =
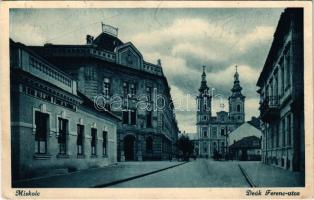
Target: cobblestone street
column 198, row 173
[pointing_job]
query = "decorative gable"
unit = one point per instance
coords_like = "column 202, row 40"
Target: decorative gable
column 129, row 56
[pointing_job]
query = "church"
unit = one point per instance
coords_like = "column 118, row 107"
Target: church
column 213, row 131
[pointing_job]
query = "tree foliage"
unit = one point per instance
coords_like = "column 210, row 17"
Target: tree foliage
column 185, row 145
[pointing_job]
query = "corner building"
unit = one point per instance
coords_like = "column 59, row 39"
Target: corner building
column 281, row 89
column 54, row 127
column 212, row 130
column 108, row 68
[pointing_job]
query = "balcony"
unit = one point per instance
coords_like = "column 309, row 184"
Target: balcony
column 269, row 108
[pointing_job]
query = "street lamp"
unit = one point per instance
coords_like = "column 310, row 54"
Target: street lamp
column 227, row 133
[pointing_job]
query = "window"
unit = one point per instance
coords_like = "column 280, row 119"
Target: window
column 94, row 141
column 62, row 138
column 125, row 117
column 149, row 93
column 149, row 144
column 149, row 119
column 129, row 117
column 282, row 77
column 204, row 117
column 133, row 117
column 41, row 122
column 238, row 108
column 276, row 135
column 125, row 89
column 222, row 132
column 79, row 141
column 287, row 66
column 214, row 132
column 276, row 85
column 204, row 130
column 106, row 87
column 288, row 128
column 283, row 132
column 132, row 89
column 105, row 140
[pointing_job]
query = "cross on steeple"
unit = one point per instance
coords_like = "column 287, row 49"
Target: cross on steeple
column 236, row 68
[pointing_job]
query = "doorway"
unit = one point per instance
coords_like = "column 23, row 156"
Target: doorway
column 129, row 143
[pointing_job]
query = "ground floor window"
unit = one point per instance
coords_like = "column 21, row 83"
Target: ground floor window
column 62, row 138
column 105, row 141
column 41, row 122
column 79, row 142
column 94, row 141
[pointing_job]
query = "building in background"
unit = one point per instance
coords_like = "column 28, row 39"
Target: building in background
column 54, row 127
column 115, row 75
column 212, row 130
column 245, row 130
column 246, row 149
column 245, row 142
column 281, row 89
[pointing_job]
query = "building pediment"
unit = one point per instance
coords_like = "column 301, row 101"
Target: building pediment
column 128, row 55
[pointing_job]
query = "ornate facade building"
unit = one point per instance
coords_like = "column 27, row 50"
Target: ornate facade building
column 115, row 75
column 54, row 127
column 212, row 130
column 281, row 92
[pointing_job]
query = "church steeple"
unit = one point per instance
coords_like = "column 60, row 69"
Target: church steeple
column 236, row 89
column 236, row 100
column 204, row 86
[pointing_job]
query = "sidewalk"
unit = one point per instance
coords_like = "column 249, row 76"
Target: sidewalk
column 269, row 176
column 98, row 176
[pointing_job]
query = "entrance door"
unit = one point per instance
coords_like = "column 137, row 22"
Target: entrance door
column 129, row 142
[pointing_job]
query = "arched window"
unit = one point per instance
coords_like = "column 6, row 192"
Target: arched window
column 149, row 144
column 238, row 108
column 106, row 86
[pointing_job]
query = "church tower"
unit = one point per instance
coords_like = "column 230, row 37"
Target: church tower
column 203, row 115
column 236, row 101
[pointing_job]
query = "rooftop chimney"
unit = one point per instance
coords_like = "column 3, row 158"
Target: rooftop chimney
column 159, row 62
column 89, row 39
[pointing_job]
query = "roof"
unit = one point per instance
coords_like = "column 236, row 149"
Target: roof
column 90, row 104
column 107, row 42
column 255, row 122
column 245, row 130
column 250, row 142
column 281, row 30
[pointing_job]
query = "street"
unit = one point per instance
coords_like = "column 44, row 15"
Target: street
column 198, row 173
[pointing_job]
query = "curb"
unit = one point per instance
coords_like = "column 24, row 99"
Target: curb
column 247, row 177
column 135, row 177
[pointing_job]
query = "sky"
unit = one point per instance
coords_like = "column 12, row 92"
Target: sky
column 184, row 39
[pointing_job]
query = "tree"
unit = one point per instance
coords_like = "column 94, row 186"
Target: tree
column 185, row 145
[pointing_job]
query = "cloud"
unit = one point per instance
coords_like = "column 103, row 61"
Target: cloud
column 34, row 36
column 260, row 35
column 251, row 108
column 184, row 40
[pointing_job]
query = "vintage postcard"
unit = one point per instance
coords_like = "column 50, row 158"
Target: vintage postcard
column 157, row 100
